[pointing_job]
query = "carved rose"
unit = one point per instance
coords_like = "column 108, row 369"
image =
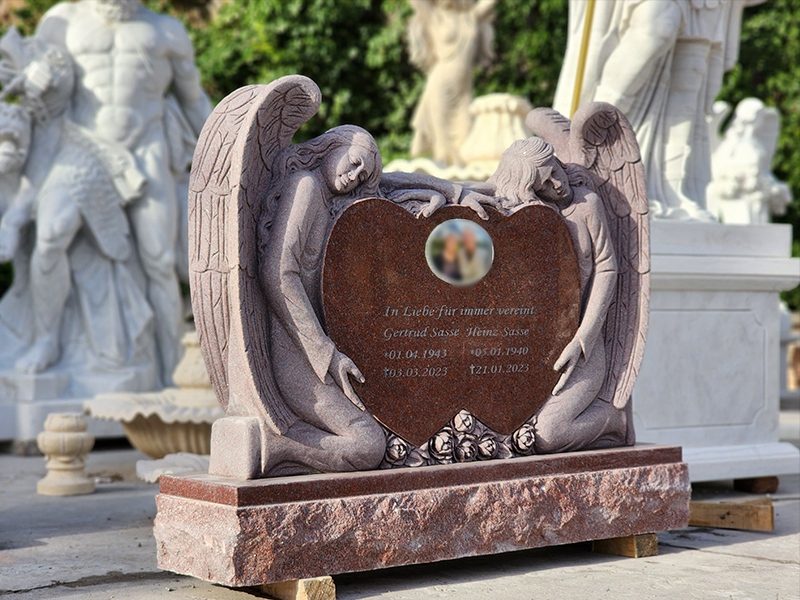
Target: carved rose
column 523, row 439
column 396, row 450
column 441, row 447
column 464, row 422
column 487, row 446
column 466, row 447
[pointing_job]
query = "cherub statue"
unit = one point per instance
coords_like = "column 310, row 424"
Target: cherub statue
column 447, row 39
column 743, row 189
column 600, row 192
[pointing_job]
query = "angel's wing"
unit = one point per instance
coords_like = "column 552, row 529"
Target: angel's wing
column 603, row 141
column 553, row 128
column 231, row 172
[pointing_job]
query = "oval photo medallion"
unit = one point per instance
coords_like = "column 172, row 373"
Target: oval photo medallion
column 459, row 252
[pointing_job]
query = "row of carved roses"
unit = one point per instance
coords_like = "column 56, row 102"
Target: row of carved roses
column 463, row 439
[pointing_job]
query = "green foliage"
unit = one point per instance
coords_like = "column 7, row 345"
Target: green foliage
column 530, row 39
column 26, row 17
column 354, row 51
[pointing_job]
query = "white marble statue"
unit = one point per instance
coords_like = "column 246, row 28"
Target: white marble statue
column 77, row 297
column 498, row 120
column 661, row 62
column 743, row 189
column 123, row 72
column 447, row 39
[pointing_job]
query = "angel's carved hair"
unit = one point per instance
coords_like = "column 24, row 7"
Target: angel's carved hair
column 309, row 156
column 522, row 169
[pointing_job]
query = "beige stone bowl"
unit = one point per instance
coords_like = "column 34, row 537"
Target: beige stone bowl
column 176, row 419
column 166, row 422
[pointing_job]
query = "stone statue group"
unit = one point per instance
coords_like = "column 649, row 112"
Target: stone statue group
column 99, row 115
column 261, row 211
column 661, row 62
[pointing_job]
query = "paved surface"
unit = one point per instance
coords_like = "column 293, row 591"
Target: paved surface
column 101, row 546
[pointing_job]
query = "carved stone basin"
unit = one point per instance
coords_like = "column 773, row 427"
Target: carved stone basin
column 176, row 419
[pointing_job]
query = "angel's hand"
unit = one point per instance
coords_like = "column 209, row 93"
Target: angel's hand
column 568, row 361
column 340, row 368
column 475, row 200
column 9, row 242
column 437, row 201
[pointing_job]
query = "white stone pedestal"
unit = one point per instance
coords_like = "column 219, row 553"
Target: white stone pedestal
column 710, row 377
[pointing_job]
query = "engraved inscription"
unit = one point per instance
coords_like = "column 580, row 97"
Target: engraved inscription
column 495, row 359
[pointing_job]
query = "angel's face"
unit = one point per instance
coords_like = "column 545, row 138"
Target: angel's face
column 348, row 166
column 555, row 188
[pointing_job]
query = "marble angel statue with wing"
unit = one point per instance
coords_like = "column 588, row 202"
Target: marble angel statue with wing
column 591, row 171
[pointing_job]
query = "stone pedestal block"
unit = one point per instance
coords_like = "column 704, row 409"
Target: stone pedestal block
column 242, row 533
column 710, row 379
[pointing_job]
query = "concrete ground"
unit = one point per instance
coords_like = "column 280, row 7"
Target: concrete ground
column 101, row 546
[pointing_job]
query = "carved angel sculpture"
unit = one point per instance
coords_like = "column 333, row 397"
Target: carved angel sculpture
column 591, row 170
column 260, row 212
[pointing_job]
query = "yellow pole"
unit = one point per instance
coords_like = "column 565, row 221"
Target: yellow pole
column 587, row 31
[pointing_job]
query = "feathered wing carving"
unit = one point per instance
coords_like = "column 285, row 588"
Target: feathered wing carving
column 601, row 140
column 231, row 174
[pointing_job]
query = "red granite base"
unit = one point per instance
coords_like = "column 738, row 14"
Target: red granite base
column 242, row 533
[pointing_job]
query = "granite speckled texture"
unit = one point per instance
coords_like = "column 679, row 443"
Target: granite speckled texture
column 429, row 349
column 241, row 533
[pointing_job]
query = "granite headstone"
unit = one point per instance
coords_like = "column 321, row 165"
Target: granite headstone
column 428, row 348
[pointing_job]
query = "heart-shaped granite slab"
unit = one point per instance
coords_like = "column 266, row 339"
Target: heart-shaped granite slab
column 428, row 348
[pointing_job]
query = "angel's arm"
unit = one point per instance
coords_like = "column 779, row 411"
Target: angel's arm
column 422, row 194
column 185, row 76
column 604, row 280
column 401, row 187
column 280, row 271
column 601, row 293
column 419, row 45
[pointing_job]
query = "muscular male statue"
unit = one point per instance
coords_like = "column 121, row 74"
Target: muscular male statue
column 126, row 59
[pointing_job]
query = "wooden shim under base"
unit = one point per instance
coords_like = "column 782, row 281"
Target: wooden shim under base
column 632, row 546
column 755, row 515
column 316, row 588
